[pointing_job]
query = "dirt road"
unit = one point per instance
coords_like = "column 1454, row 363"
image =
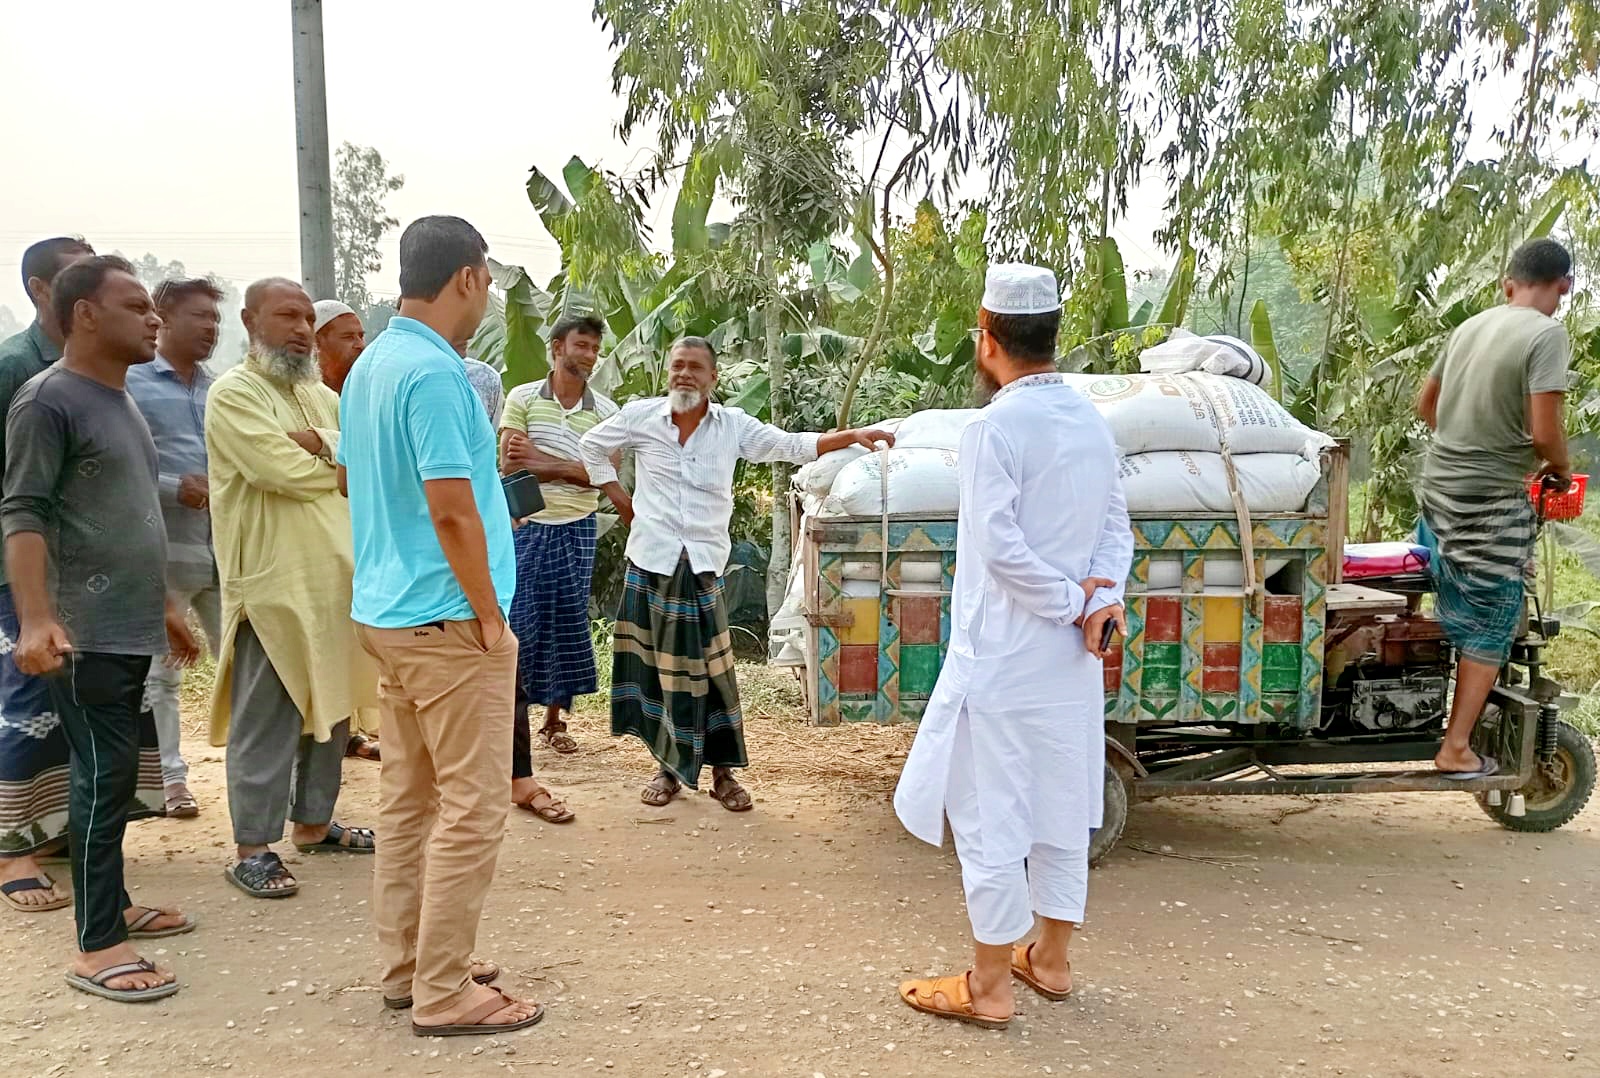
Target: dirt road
column 1396, row 937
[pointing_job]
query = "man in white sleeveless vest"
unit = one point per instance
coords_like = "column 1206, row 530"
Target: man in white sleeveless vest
column 1011, row 748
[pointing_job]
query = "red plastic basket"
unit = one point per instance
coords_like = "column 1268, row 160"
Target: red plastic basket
column 1564, row 506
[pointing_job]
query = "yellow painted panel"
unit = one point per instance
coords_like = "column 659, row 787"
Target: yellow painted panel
column 1224, row 619
column 865, row 629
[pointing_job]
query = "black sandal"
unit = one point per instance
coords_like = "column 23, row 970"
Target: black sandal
column 253, row 874
column 342, row 839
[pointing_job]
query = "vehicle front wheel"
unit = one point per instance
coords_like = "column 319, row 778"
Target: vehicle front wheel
column 1115, row 816
column 1558, row 789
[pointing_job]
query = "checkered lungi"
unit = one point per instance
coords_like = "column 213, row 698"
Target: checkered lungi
column 550, row 611
column 1480, row 548
column 672, row 680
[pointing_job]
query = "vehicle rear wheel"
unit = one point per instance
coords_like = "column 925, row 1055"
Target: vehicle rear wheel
column 1558, row 789
column 1115, row 816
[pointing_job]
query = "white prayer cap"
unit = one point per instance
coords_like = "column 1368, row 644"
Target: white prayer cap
column 1018, row 288
column 328, row 310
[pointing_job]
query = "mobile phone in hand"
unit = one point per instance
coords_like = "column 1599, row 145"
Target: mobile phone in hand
column 1107, row 631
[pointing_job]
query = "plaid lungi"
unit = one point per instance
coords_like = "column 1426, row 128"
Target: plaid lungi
column 34, row 757
column 1480, row 549
column 672, row 681
column 550, row 611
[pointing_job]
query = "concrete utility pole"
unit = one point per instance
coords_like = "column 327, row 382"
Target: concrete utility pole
column 311, row 142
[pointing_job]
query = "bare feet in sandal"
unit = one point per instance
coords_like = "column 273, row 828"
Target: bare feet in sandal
column 554, row 734
column 33, row 891
column 485, row 1011
column 662, row 789
column 89, row 963
column 726, row 789
column 533, row 796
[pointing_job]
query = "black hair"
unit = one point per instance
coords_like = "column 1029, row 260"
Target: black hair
column 435, row 249
column 694, row 342
column 46, row 258
column 168, row 294
column 581, row 322
column 83, row 280
column 1025, row 338
column 1539, row 262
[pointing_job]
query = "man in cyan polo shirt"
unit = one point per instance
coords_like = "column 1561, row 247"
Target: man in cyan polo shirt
column 435, row 569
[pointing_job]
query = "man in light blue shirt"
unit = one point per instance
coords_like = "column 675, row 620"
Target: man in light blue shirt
column 171, row 393
column 434, row 572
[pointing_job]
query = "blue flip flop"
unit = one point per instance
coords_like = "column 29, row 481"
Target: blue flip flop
column 1486, row 767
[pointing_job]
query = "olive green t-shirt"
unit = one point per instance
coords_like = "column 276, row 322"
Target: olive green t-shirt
column 1491, row 364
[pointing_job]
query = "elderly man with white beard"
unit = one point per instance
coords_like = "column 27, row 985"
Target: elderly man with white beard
column 672, row 683
column 290, row 673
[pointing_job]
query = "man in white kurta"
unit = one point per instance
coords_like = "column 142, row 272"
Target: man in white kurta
column 1011, row 748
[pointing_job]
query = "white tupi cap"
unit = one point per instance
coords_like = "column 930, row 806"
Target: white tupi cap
column 1018, row 288
column 327, row 311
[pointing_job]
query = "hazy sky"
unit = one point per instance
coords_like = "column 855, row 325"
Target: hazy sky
column 169, row 127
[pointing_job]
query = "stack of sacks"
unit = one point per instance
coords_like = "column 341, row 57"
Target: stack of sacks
column 923, row 476
column 1170, row 429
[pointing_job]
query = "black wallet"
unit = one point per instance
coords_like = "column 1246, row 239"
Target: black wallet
column 522, row 494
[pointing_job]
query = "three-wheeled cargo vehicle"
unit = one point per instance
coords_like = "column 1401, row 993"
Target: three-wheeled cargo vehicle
column 1294, row 682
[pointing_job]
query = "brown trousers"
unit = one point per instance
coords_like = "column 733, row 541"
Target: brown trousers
column 444, row 793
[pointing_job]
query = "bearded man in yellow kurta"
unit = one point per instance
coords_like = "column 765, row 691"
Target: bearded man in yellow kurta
column 290, row 675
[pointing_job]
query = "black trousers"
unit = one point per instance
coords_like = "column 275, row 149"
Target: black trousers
column 521, row 736
column 98, row 697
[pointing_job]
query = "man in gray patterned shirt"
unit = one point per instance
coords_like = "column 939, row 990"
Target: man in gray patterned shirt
column 86, row 553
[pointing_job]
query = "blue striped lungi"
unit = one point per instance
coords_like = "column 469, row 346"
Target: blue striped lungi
column 1480, row 548
column 550, row 611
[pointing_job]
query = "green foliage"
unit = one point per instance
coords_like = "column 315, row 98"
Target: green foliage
column 362, row 184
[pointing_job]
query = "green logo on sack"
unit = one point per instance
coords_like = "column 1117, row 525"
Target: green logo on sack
column 1113, row 388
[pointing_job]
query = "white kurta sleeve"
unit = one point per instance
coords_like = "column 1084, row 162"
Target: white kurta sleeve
column 989, row 494
column 1113, row 554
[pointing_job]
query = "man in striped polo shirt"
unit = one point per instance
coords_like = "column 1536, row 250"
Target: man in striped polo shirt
column 539, row 432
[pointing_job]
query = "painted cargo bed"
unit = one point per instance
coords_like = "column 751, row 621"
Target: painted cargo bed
column 879, row 617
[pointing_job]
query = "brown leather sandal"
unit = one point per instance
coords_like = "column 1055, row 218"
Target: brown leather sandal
column 472, row 1023
column 923, row 995
column 660, row 790
column 727, row 792
column 1022, row 970
column 553, row 810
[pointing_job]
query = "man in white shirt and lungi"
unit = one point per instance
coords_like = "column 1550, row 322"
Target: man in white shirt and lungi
column 672, row 683
column 1011, row 748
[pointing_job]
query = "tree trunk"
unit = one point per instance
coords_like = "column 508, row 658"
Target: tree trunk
column 778, row 559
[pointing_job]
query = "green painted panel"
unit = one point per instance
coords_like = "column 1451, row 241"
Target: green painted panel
column 1163, row 655
column 1161, row 680
column 1280, row 668
column 919, row 668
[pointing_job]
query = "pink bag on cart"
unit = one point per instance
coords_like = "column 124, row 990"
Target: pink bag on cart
column 1383, row 559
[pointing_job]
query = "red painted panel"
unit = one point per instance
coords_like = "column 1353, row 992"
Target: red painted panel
column 1220, row 672
column 919, row 619
column 1163, row 619
column 1113, row 671
column 858, row 669
column 1281, row 622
